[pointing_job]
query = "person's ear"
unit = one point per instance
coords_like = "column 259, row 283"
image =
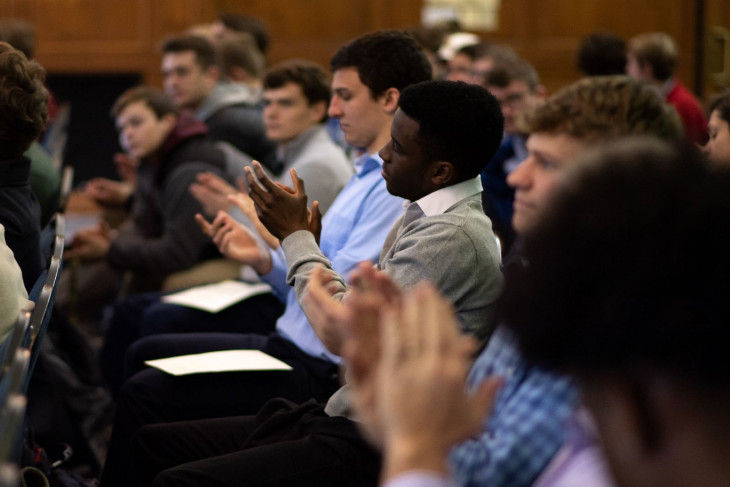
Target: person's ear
column 629, row 419
column 442, row 173
column 317, row 111
column 390, row 100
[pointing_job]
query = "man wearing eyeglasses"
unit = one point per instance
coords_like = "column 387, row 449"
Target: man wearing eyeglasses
column 516, row 85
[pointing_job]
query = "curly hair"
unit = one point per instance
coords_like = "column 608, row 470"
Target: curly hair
column 603, row 108
column 23, row 102
column 384, row 59
column 464, row 127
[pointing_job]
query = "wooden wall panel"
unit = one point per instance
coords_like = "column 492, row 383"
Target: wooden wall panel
column 547, row 32
column 314, row 29
column 123, row 35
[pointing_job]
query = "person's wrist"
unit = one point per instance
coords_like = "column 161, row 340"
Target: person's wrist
column 264, row 263
column 415, row 453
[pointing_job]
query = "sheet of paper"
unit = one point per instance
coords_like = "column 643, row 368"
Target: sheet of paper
column 217, row 296
column 222, row 361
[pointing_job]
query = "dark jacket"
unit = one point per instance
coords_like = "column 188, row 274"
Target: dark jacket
column 233, row 114
column 166, row 237
column 20, row 214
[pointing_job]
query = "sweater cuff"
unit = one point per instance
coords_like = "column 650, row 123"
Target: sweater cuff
column 297, row 244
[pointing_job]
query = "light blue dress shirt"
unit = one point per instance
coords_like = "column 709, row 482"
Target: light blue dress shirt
column 353, row 230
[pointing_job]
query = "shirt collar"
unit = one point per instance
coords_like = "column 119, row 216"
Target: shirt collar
column 441, row 200
column 366, row 163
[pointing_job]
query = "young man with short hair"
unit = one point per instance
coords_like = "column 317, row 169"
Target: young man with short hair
column 366, row 86
column 515, row 83
column 172, row 149
column 644, row 340
column 231, row 112
column 652, row 58
column 525, row 427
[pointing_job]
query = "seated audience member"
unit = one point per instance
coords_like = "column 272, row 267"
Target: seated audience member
column 718, row 131
column 231, row 111
column 45, row 179
column 242, row 62
column 652, row 58
column 432, row 160
column 525, row 427
column 296, row 95
column 601, row 54
column 172, row 149
column 645, row 341
column 458, row 68
column 488, row 56
column 13, row 296
column 368, row 75
column 23, row 117
column 228, row 24
column 517, row 87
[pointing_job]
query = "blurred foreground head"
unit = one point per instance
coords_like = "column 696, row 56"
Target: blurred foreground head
column 627, row 290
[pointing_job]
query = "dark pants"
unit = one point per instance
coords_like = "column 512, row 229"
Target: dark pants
column 144, row 315
column 152, row 396
column 283, row 445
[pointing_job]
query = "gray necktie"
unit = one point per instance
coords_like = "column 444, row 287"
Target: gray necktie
column 413, row 213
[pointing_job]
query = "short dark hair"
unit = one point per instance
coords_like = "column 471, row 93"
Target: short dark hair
column 510, row 70
column 23, row 102
column 19, row 34
column 156, row 99
column 476, row 51
column 384, row 59
column 621, row 277
column 251, row 25
column 722, row 105
column 205, row 53
column 310, row 77
column 601, row 54
column 458, row 122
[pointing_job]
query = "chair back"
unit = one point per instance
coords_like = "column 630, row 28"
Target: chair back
column 14, row 380
column 13, row 342
column 41, row 315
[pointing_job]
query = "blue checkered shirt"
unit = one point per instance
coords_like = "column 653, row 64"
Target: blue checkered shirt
column 527, row 424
